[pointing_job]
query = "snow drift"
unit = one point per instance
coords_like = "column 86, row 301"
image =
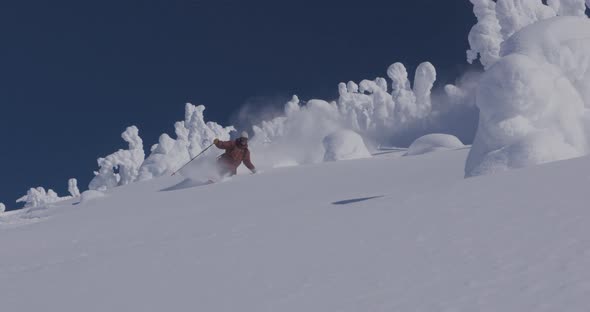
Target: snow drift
column 434, row 142
column 344, row 145
column 532, row 100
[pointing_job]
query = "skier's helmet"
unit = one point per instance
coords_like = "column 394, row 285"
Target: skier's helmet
column 243, row 139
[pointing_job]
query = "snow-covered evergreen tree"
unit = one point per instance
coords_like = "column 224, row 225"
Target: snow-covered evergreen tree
column 192, row 136
column 127, row 162
column 38, row 197
column 569, row 7
column 485, row 37
column 2, row 208
column 498, row 21
column 73, row 187
column 534, row 101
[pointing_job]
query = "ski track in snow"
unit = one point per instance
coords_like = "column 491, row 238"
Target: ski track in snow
column 429, row 241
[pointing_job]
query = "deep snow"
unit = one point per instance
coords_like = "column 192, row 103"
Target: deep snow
column 388, row 233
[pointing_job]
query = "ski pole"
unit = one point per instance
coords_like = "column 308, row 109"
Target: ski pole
column 201, row 153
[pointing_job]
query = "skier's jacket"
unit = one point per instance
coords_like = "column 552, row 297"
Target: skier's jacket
column 235, row 154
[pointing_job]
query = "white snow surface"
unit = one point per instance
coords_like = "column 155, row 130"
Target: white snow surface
column 90, row 195
column 388, row 233
column 534, row 99
column 344, row 145
column 434, row 142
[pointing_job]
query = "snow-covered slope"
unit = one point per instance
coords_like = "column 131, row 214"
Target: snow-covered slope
column 388, row 233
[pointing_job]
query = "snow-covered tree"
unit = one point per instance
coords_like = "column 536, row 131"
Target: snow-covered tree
column 2, row 208
column 411, row 103
column 192, row 136
column 38, row 197
column 423, row 84
column 485, row 37
column 533, row 101
column 73, row 187
column 127, row 162
column 569, row 7
column 514, row 15
column 498, row 21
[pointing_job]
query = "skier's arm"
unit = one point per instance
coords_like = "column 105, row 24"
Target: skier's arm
column 223, row 144
column 248, row 162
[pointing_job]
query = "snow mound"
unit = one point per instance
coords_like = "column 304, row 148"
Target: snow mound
column 532, row 101
column 434, row 142
column 344, row 145
column 90, row 195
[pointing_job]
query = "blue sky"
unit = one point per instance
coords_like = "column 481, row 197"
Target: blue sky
column 74, row 74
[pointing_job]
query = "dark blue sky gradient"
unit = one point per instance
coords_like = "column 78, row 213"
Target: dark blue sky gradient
column 74, row 74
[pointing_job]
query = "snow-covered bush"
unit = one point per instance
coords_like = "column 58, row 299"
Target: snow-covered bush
column 2, row 208
column 532, row 100
column 73, row 187
column 344, row 145
column 192, row 136
column 127, row 162
column 434, row 142
column 38, row 197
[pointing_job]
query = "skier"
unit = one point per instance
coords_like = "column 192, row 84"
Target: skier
column 236, row 152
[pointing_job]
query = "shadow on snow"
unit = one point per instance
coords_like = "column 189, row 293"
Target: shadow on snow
column 355, row 200
column 185, row 184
